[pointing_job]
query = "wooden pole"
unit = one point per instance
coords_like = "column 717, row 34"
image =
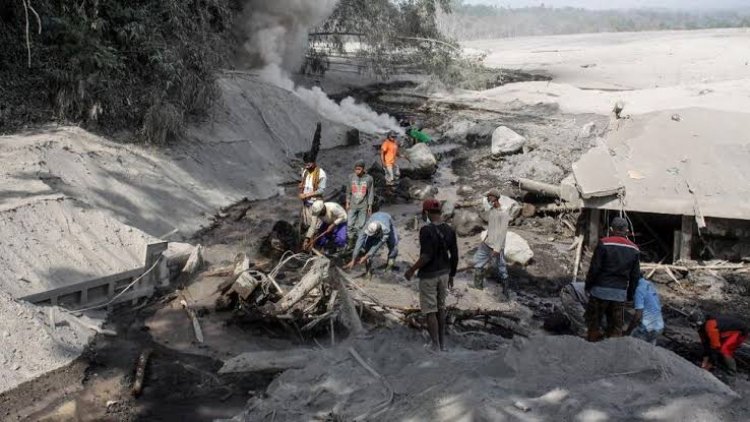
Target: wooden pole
column 686, row 244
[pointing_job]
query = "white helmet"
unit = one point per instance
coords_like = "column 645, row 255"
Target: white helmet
column 372, row 229
column 318, row 207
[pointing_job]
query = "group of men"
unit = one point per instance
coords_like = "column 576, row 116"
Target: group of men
column 613, row 280
column 353, row 227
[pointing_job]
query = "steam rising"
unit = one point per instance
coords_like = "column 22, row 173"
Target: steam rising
column 278, row 36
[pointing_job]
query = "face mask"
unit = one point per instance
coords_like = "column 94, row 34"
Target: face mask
column 425, row 218
column 486, row 204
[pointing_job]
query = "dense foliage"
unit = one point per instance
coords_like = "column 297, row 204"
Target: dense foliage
column 137, row 65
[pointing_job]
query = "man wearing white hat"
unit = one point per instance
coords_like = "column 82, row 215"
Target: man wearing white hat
column 380, row 230
column 328, row 226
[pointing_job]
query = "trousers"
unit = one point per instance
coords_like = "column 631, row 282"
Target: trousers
column 483, row 256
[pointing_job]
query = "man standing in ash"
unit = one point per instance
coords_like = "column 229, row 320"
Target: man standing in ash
column 437, row 265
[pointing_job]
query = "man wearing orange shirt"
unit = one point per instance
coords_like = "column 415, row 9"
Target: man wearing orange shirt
column 388, row 156
column 721, row 336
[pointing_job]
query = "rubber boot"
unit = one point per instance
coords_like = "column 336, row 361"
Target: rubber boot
column 389, row 265
column 506, row 287
column 368, row 271
column 479, row 279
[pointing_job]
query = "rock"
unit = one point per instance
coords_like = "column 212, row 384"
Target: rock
column 465, row 191
column 587, row 130
column 511, row 206
column 421, row 191
column 457, row 131
column 467, row 222
column 505, row 141
column 449, row 208
column 517, row 249
column 540, row 170
column 480, row 134
column 422, row 162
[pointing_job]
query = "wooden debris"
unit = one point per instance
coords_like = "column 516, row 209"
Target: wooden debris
column 194, row 319
column 194, row 262
column 317, row 273
column 140, row 372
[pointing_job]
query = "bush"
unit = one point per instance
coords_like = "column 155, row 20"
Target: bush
column 138, row 65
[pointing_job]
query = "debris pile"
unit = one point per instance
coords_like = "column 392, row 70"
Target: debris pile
column 389, row 377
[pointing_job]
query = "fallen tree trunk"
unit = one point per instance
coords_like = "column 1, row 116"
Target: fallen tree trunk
column 317, row 273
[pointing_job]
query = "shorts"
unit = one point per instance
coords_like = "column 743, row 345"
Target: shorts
column 432, row 292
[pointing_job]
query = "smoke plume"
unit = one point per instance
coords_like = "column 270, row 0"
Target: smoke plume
column 277, row 41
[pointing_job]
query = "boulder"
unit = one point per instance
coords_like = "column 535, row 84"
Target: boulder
column 511, row 206
column 457, row 131
column 540, row 170
column 449, row 208
column 467, row 222
column 517, row 249
column 421, row 191
column 505, row 141
column 480, row 134
column 465, row 191
column 422, row 162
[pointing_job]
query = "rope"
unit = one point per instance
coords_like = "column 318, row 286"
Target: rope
column 125, row 290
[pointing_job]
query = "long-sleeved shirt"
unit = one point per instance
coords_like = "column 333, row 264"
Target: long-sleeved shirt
column 497, row 229
column 438, row 248
column 360, row 193
column 309, row 185
column 335, row 214
column 615, row 270
column 386, row 224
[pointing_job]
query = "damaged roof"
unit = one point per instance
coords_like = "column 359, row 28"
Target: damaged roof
column 681, row 162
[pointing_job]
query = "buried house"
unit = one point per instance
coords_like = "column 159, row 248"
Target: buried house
column 681, row 177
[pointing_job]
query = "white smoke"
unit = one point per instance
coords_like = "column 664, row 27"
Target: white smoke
column 277, row 40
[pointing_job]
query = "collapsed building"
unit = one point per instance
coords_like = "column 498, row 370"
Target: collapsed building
column 680, row 178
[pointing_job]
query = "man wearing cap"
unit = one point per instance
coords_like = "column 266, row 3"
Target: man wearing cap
column 437, row 264
column 388, row 156
column 493, row 245
column 312, row 187
column 611, row 281
column 329, row 223
column 380, row 230
column 359, row 198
